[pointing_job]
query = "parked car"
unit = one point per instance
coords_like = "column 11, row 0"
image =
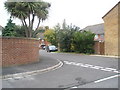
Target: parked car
column 51, row 48
column 44, row 47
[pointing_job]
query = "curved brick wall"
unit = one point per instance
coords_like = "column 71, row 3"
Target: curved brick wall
column 17, row 51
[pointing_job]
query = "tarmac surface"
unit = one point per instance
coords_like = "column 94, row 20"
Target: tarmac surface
column 44, row 63
column 72, row 72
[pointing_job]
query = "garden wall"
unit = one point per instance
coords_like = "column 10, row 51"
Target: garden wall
column 99, row 48
column 17, row 51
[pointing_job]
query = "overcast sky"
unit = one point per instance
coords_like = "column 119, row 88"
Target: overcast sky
column 78, row 12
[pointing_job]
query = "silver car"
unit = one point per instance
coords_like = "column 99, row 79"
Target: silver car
column 51, row 48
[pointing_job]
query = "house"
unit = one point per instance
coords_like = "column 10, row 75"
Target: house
column 112, row 29
column 98, row 30
column 41, row 37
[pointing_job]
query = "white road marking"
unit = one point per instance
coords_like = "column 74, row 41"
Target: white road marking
column 84, row 65
column 111, row 69
column 106, row 78
column 9, row 78
column 74, row 87
column 78, row 64
column 67, row 62
column 107, row 69
column 89, row 65
column 96, row 67
column 17, row 78
column 116, row 71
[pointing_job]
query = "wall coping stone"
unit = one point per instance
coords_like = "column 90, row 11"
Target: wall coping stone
column 19, row 38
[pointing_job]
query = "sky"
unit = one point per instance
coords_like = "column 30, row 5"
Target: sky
column 81, row 13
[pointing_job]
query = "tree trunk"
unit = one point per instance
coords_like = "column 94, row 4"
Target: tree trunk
column 32, row 21
column 29, row 28
column 59, row 49
column 26, row 30
column 38, row 24
column 37, row 27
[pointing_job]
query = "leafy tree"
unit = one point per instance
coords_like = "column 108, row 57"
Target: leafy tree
column 83, row 42
column 9, row 29
column 50, row 36
column 69, row 38
column 28, row 11
column 58, row 34
column 20, row 31
column 46, row 27
column 64, row 36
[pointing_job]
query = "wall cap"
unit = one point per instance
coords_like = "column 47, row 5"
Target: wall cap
column 20, row 38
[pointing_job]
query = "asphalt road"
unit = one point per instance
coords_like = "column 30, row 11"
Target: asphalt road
column 78, row 71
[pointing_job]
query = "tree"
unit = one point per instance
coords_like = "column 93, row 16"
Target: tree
column 83, row 42
column 28, row 11
column 20, row 31
column 64, row 36
column 9, row 29
column 50, row 36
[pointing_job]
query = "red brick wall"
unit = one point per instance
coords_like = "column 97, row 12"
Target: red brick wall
column 99, row 48
column 16, row 51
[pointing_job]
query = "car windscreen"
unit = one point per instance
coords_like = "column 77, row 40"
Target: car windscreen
column 52, row 47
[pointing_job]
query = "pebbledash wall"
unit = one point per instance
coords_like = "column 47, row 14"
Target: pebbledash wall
column 112, row 30
column 17, row 51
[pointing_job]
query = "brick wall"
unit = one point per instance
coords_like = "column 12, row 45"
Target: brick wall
column 111, row 31
column 119, row 30
column 17, row 51
column 99, row 48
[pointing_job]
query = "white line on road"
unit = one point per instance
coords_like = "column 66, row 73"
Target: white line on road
column 106, row 78
column 116, row 71
column 96, row 67
column 84, row 65
column 106, row 69
column 30, row 73
column 74, row 87
column 92, row 66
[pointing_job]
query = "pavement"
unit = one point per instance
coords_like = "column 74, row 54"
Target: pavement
column 43, row 65
column 106, row 56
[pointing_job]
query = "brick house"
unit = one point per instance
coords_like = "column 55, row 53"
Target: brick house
column 98, row 30
column 112, row 30
column 42, row 41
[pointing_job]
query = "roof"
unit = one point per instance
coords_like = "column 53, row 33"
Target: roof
column 97, row 29
column 111, row 9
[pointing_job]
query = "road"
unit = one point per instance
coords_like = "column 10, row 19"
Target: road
column 78, row 71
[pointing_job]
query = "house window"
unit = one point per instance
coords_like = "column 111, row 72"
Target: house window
column 102, row 36
column 96, row 37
